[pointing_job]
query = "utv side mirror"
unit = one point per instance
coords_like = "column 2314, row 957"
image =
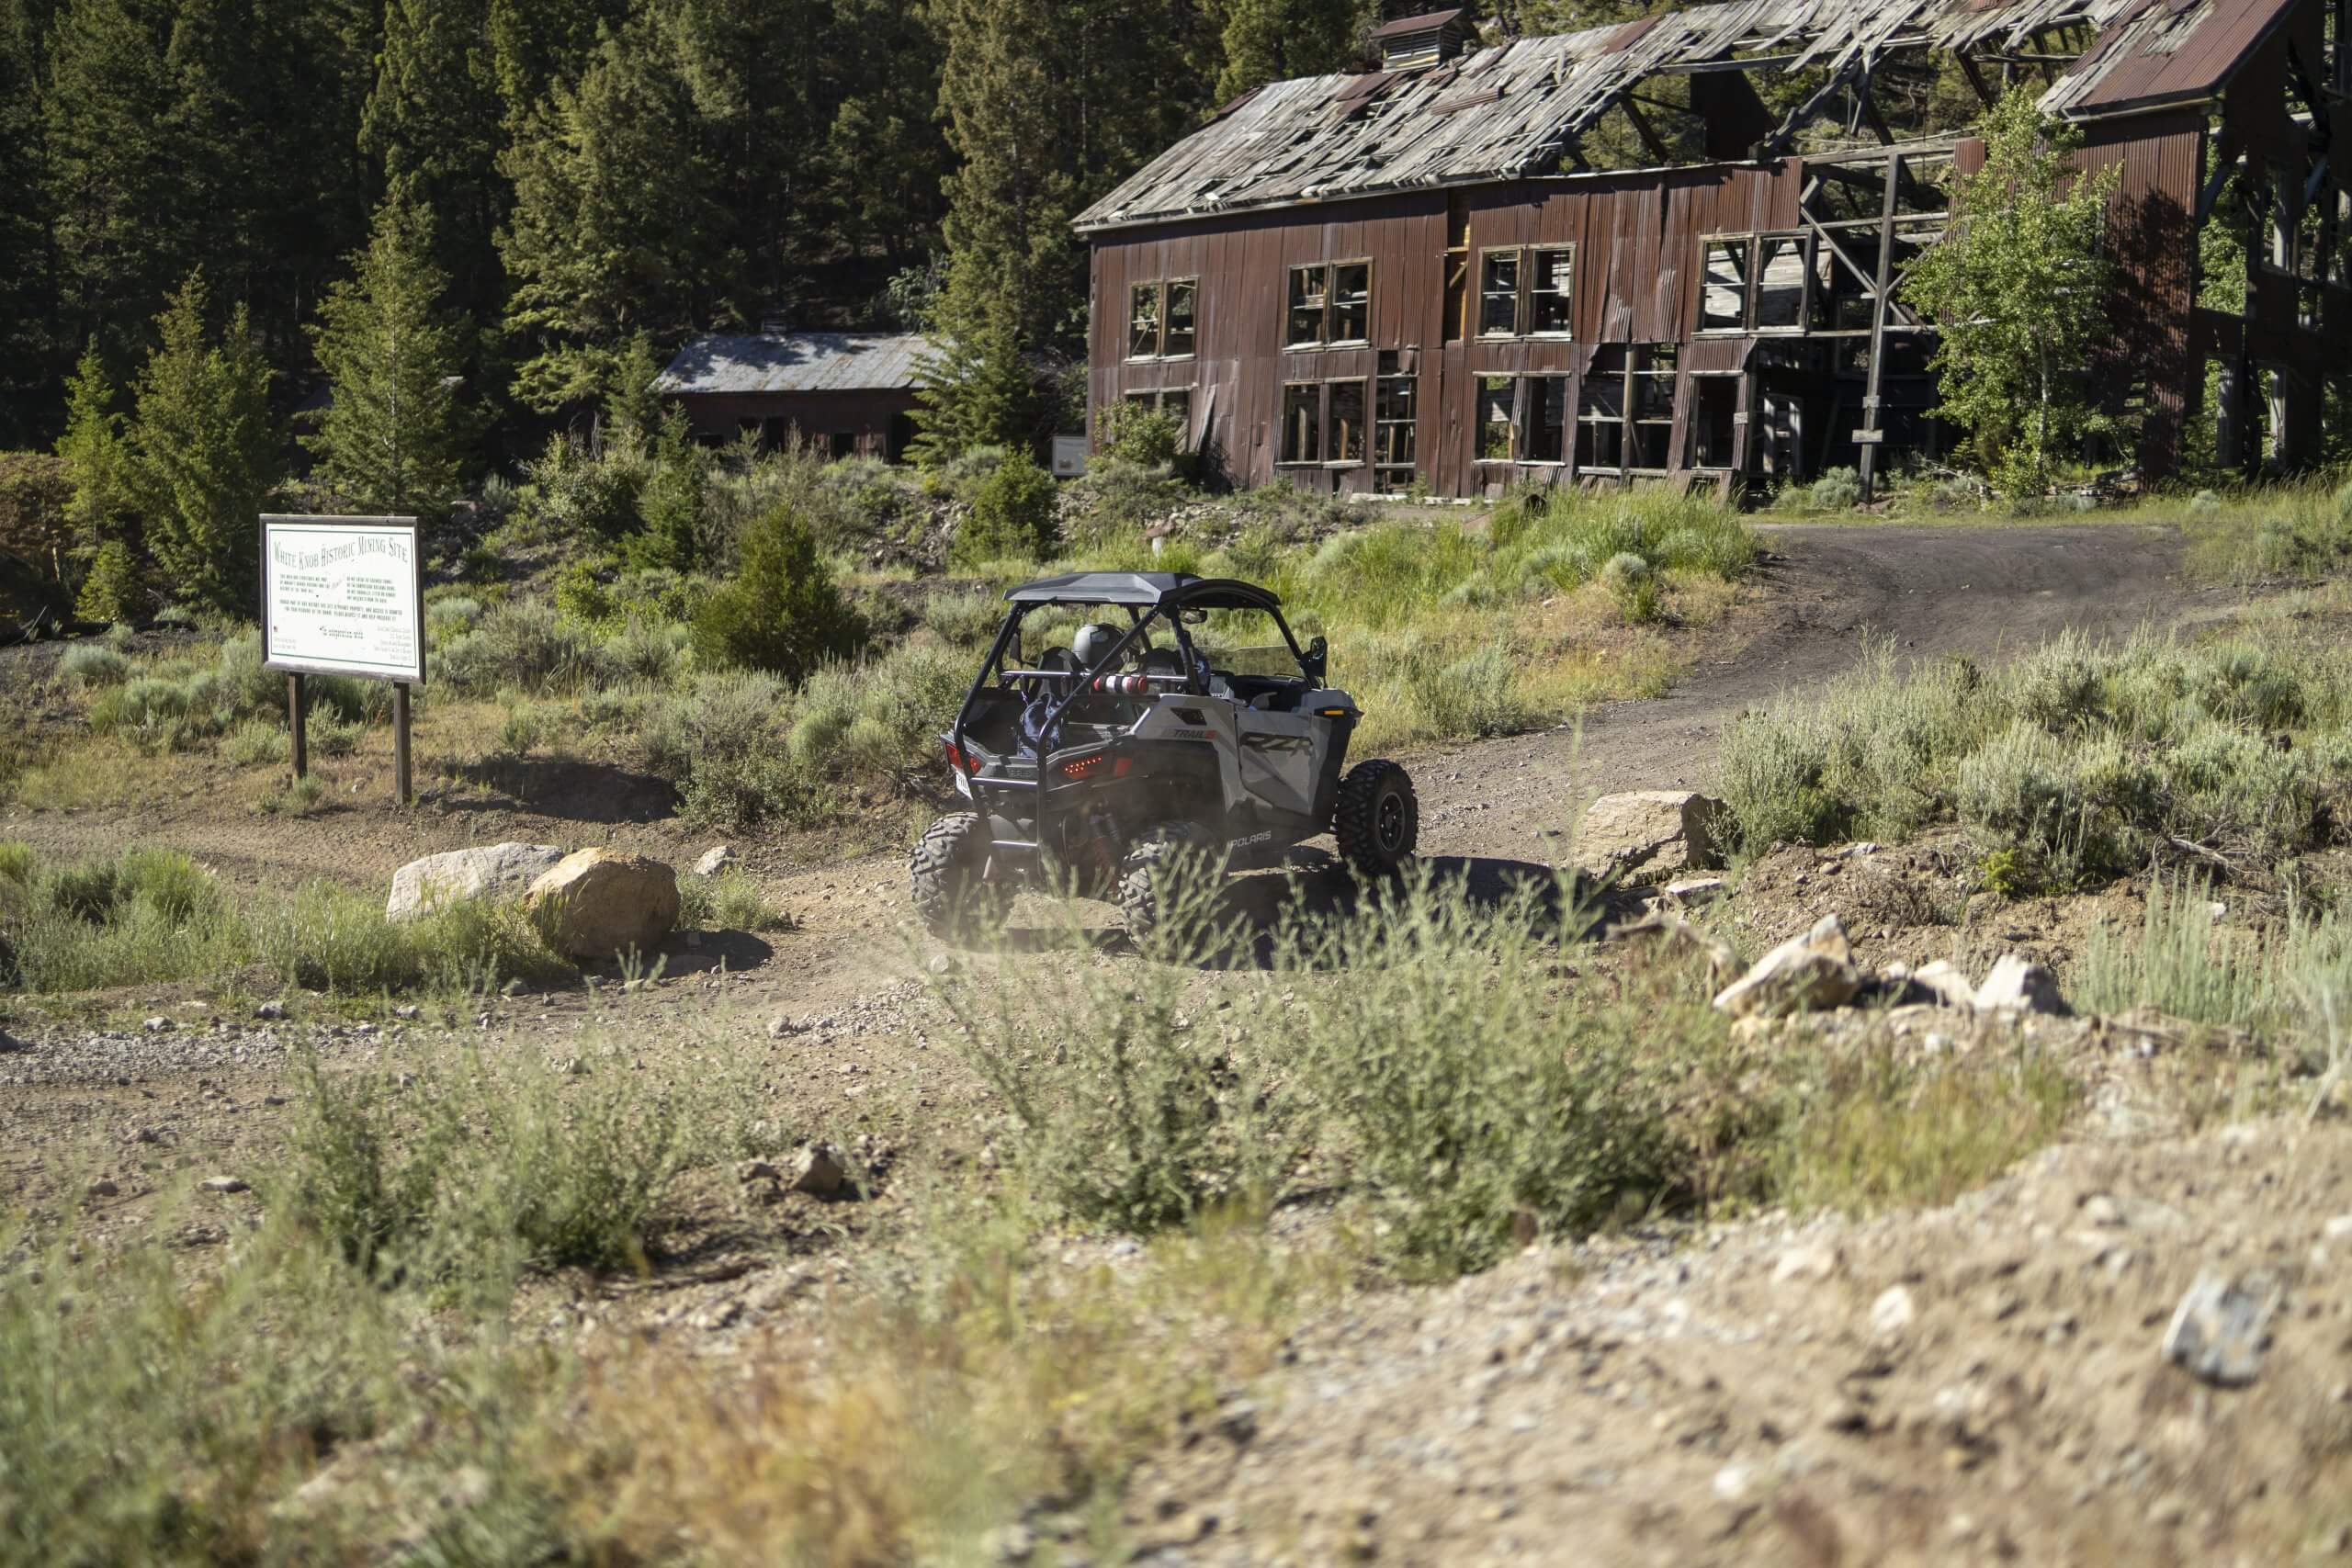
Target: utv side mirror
column 1317, row 660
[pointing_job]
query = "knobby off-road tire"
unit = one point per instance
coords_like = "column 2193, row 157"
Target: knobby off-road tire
column 949, row 873
column 1378, row 818
column 1143, row 881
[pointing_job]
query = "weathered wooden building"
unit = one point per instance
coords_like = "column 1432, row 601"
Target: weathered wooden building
column 844, row 394
column 1437, row 270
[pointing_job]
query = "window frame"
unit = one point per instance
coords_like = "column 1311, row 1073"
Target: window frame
column 1752, row 283
column 1530, row 293
column 1384, row 378
column 1323, row 458
column 1163, row 289
column 1168, row 287
column 1328, row 308
column 1159, row 288
column 1487, row 255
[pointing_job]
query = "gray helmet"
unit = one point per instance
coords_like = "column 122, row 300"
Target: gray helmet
column 1094, row 643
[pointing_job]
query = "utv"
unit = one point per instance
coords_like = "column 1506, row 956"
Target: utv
column 1088, row 764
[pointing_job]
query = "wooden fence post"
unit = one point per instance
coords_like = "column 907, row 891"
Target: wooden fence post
column 297, row 710
column 401, row 776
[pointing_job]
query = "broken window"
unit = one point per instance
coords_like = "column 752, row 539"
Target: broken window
column 1307, row 301
column 1723, row 289
column 1494, row 418
column 1600, row 410
column 1551, row 292
column 1499, row 294
column 1303, row 423
column 1714, row 408
column 1344, row 425
column 1650, row 389
column 1329, row 302
column 1178, row 341
column 1542, row 429
column 1779, row 283
column 1142, row 321
column 1394, row 419
column 1351, row 302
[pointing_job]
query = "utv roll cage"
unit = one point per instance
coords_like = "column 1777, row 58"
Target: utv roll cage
column 1148, row 598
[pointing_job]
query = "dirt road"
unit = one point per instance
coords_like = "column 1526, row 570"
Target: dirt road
column 1827, row 591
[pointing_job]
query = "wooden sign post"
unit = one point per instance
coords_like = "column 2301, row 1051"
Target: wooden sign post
column 344, row 596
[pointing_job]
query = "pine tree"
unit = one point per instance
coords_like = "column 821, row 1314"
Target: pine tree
column 206, row 450
column 27, row 307
column 97, row 461
column 435, row 119
column 890, row 54
column 632, row 408
column 1271, row 40
column 115, row 195
column 616, row 228
column 395, row 438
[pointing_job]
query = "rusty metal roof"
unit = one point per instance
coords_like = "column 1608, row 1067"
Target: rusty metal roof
column 1512, row 111
column 798, row 362
column 1428, row 22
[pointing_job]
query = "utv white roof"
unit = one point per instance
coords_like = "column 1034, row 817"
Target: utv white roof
column 1174, row 590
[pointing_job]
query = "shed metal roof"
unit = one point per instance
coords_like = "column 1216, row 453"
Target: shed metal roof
column 798, row 362
column 1510, row 111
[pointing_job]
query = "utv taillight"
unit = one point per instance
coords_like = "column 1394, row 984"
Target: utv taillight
column 1080, row 767
column 959, row 762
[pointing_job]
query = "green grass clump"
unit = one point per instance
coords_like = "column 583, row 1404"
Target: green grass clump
column 729, row 901
column 2079, row 757
column 145, row 914
column 330, row 938
column 178, row 704
column 93, row 664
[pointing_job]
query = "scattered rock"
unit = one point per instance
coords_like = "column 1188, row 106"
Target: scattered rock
column 782, row 1025
column 496, row 871
column 270, row 1011
column 1807, row 974
column 1647, row 833
column 1813, row 1262
column 224, row 1184
column 601, row 904
column 143, row 1135
column 2219, row 1330
column 1696, row 889
column 2018, row 985
column 2338, row 1229
column 815, row 1171
column 1945, row 984
column 1893, row 1311
column 941, row 963
column 406, row 1010
column 157, row 1025
column 104, row 1186
column 715, row 860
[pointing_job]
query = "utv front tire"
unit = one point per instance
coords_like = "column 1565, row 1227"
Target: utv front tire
column 949, row 873
column 1145, row 881
column 1377, row 819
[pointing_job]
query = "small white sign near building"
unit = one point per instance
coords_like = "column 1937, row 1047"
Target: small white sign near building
column 343, row 596
column 1069, row 456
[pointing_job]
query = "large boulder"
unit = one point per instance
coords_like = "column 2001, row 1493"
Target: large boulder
column 1807, row 974
column 600, row 904
column 1646, row 834
column 498, row 870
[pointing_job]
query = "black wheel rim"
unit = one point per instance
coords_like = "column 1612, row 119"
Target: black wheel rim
column 1388, row 823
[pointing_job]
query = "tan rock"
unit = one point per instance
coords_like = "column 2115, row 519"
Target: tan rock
column 491, row 870
column 601, row 904
column 1807, row 974
column 1648, row 834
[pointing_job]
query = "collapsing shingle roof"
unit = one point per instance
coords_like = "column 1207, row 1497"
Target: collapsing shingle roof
column 1513, row 111
column 797, row 362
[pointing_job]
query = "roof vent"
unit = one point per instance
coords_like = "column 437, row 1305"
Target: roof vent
column 1409, row 43
column 775, row 323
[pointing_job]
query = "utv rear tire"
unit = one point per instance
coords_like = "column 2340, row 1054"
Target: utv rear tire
column 1378, row 818
column 1144, row 877
column 949, row 873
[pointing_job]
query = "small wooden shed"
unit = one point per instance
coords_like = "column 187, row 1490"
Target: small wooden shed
column 844, row 393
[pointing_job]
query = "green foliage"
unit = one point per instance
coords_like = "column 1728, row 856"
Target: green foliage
column 394, row 438
column 110, row 592
column 525, row 646
column 729, row 901
column 1837, row 489
column 1012, row 514
column 144, row 915
column 780, row 611
column 180, row 704
column 2018, row 290
column 97, row 460
column 2079, row 759
column 207, row 451
column 88, row 664
column 587, row 494
column 1138, row 434
column 1271, row 40
column 331, row 938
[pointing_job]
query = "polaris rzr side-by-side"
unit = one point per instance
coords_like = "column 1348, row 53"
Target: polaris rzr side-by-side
column 1089, row 762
